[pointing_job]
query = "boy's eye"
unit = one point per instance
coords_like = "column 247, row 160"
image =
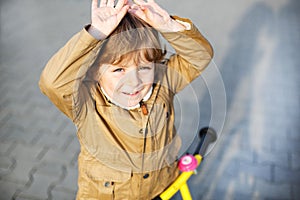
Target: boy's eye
column 119, row 70
column 145, row 67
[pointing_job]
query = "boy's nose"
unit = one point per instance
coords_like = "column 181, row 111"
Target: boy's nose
column 133, row 78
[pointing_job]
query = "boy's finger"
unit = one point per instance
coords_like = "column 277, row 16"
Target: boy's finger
column 120, row 4
column 139, row 2
column 137, row 12
column 94, row 4
column 110, row 3
column 103, row 3
column 129, row 2
column 122, row 12
column 158, row 8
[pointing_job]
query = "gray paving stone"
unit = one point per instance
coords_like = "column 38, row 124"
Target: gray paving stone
column 52, row 140
column 261, row 171
column 52, row 169
column 71, row 144
column 21, row 173
column 26, row 198
column 293, row 134
column 5, row 114
column 234, row 188
column 26, row 152
column 8, row 189
column 5, row 148
column 295, row 159
column 281, row 159
column 38, row 189
column 13, row 132
column 18, row 128
column 45, row 116
column 268, row 190
column 198, row 191
column 6, row 165
column 286, row 146
column 247, row 155
column 68, row 184
column 74, row 161
column 63, row 195
column 44, row 177
column 59, row 156
column 67, row 127
column 296, row 191
column 287, row 176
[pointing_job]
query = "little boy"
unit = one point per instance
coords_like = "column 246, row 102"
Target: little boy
column 113, row 81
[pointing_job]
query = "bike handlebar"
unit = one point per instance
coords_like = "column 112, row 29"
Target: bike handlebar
column 207, row 135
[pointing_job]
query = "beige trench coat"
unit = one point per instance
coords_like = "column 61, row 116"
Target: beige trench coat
column 124, row 153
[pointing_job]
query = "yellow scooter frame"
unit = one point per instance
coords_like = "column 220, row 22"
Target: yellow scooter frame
column 207, row 135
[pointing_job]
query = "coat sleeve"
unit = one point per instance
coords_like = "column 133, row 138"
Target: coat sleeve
column 58, row 77
column 193, row 54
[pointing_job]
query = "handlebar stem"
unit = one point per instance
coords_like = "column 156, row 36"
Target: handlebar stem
column 179, row 182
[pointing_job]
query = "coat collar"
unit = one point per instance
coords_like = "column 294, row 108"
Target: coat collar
column 101, row 98
column 148, row 95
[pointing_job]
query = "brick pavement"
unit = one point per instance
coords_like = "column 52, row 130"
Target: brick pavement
column 257, row 155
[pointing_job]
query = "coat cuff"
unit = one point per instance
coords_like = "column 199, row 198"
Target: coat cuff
column 86, row 37
column 187, row 25
column 191, row 29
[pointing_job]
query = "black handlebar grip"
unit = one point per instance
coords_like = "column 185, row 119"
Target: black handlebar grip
column 207, row 135
column 157, row 198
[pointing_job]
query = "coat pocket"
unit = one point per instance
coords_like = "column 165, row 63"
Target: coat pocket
column 97, row 181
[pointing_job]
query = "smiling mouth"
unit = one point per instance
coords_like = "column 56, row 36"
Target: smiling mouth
column 132, row 94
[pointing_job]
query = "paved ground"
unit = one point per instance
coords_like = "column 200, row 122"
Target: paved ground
column 257, row 47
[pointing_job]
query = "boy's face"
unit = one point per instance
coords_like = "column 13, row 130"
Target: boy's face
column 127, row 85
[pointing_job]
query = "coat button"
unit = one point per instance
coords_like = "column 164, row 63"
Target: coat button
column 167, row 115
column 146, row 176
column 107, row 184
column 141, row 131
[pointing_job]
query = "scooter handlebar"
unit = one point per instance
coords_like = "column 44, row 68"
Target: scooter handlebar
column 207, row 136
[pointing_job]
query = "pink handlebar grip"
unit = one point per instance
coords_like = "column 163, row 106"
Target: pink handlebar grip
column 187, row 163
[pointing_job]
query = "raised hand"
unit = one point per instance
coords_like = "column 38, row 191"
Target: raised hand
column 154, row 15
column 106, row 16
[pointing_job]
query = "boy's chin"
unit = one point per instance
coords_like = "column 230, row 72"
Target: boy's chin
column 129, row 103
column 132, row 103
